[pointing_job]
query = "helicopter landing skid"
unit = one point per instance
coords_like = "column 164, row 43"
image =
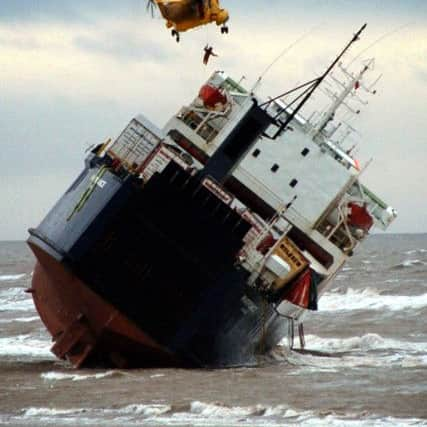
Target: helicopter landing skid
column 176, row 35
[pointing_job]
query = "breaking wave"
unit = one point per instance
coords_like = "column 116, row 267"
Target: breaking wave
column 20, row 320
column 369, row 299
column 407, row 264
column 37, row 412
column 334, row 354
column 204, row 414
column 11, row 277
column 58, row 376
column 366, row 342
column 25, row 346
column 309, row 363
column 416, row 251
column 15, row 299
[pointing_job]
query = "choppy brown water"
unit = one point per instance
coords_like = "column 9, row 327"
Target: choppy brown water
column 366, row 361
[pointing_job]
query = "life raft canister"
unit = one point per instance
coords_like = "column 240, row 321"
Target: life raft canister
column 211, row 96
column 359, row 217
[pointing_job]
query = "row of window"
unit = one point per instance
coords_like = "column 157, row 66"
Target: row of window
column 276, row 167
column 257, row 152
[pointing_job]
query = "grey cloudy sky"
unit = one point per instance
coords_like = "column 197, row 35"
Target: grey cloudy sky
column 73, row 73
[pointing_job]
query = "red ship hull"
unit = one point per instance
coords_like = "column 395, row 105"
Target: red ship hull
column 87, row 330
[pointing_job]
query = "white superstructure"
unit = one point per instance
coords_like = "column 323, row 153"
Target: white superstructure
column 302, row 184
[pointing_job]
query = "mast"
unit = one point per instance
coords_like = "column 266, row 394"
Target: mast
column 352, row 84
column 312, row 86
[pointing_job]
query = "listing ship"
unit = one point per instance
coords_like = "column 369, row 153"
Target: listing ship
column 202, row 244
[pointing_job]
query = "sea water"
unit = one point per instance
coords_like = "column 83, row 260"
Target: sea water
column 365, row 362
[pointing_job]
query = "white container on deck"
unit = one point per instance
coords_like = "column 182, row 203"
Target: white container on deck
column 278, row 266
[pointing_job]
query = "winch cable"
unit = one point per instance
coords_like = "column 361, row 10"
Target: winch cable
column 264, row 325
column 291, row 334
column 301, row 335
column 384, row 36
column 288, row 48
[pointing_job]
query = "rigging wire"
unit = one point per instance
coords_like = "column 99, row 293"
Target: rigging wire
column 390, row 33
column 288, row 48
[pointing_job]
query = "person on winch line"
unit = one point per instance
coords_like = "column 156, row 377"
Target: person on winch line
column 208, row 53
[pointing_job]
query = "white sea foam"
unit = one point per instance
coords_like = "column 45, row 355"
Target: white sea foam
column 150, row 410
column 50, row 412
column 58, row 376
column 216, row 414
column 15, row 299
column 22, row 305
column 415, row 251
column 411, row 262
column 20, row 320
column 222, row 411
column 370, row 299
column 157, row 375
column 11, row 277
column 407, row 263
column 370, row 350
column 25, row 346
column 366, row 342
column 128, row 415
column 309, row 363
column 205, row 414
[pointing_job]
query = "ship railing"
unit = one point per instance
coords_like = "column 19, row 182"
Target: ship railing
column 201, row 120
column 339, row 234
column 342, row 237
column 342, row 222
column 254, row 258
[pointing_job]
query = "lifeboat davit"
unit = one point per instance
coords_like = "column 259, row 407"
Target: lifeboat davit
column 211, row 96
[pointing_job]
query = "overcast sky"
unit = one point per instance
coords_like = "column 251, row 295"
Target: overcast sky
column 73, row 73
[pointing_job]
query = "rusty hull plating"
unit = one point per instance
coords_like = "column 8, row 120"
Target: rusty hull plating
column 87, row 330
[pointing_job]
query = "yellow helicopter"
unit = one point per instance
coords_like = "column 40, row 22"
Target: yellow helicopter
column 183, row 15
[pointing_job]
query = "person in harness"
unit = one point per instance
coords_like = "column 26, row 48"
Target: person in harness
column 208, row 53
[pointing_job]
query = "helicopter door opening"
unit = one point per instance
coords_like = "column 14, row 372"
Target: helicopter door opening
column 201, row 8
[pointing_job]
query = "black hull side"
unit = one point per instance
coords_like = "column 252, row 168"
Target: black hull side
column 162, row 254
